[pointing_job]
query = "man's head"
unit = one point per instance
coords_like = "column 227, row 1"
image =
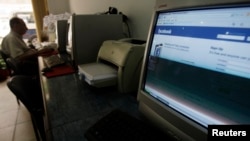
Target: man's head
column 18, row 25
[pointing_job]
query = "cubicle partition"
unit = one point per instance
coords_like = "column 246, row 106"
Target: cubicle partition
column 88, row 33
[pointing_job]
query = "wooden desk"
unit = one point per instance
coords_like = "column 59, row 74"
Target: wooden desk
column 72, row 106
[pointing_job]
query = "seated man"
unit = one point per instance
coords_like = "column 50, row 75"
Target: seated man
column 14, row 46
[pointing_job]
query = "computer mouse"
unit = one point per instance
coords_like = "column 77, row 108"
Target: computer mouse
column 47, row 69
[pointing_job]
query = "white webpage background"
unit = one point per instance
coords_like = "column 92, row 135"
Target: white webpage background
column 218, row 55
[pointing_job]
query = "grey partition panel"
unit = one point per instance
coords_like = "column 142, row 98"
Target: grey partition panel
column 89, row 32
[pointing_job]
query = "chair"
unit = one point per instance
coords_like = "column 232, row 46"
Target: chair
column 118, row 63
column 14, row 67
column 5, row 56
column 27, row 90
column 22, row 68
column 11, row 64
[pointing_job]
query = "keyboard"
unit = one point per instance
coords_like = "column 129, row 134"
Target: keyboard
column 53, row 60
column 120, row 126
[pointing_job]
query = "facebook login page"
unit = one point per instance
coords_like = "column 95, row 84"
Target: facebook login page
column 218, row 40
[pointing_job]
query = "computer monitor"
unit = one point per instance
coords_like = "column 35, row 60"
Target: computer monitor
column 62, row 28
column 196, row 68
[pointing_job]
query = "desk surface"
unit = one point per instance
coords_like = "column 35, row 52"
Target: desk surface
column 72, row 106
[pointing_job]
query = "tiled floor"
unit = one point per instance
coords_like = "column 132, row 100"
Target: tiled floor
column 15, row 122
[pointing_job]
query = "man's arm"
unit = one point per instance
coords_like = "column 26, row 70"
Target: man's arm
column 31, row 53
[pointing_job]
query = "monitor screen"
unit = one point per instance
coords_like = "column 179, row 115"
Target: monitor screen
column 197, row 65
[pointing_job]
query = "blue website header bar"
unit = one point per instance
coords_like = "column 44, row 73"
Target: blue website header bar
column 214, row 33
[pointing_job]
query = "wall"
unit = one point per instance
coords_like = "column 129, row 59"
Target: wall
column 139, row 12
column 58, row 6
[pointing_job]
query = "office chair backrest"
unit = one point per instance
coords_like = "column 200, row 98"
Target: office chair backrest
column 4, row 56
column 13, row 65
column 26, row 88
